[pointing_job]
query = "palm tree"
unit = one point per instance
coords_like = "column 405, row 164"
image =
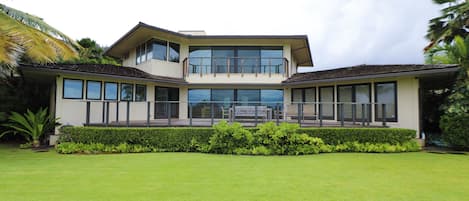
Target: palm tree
column 454, row 21
column 27, row 38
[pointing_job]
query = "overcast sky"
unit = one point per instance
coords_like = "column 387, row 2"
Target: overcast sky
column 341, row 32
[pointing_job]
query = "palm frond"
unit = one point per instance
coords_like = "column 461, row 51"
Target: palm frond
column 37, row 23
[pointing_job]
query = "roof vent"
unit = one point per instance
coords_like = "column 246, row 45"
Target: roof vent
column 193, row 32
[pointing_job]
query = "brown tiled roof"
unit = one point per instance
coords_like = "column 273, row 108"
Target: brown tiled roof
column 100, row 70
column 368, row 71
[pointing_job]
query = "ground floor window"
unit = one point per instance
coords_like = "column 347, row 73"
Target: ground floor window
column 73, row 89
column 127, row 92
column 93, row 90
column 201, row 101
column 110, row 90
column 386, row 93
column 355, row 101
column 166, row 102
column 326, row 99
column 140, row 92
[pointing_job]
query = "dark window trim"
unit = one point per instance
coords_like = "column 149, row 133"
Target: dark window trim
column 63, row 88
column 303, row 93
column 135, row 93
column 354, row 99
column 117, row 88
column 100, row 90
column 120, row 90
column 333, row 100
column 388, row 119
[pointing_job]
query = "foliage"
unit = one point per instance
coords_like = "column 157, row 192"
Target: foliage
column 454, row 21
column 226, row 138
column 27, row 38
column 95, row 148
column 163, row 139
column 409, row 146
column 334, row 136
column 91, row 53
column 31, row 125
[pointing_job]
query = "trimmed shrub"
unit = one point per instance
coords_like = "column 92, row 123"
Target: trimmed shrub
column 163, row 139
column 335, row 136
column 224, row 138
column 456, row 130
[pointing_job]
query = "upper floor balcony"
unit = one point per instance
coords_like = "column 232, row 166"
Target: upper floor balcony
column 241, row 66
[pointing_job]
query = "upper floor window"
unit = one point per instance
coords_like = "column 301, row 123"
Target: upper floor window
column 242, row 59
column 159, row 50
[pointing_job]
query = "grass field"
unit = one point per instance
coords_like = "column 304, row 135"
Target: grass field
column 31, row 176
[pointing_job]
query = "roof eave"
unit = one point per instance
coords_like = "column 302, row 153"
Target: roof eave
column 382, row 75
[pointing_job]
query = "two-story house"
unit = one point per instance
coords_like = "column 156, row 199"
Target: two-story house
column 181, row 77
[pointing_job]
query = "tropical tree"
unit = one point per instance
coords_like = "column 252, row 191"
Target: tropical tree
column 454, row 21
column 92, row 53
column 31, row 125
column 27, row 38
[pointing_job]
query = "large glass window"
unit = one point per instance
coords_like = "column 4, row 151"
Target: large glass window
column 127, row 92
column 223, row 100
column 271, row 60
column 326, row 99
column 159, row 49
column 173, row 52
column 354, row 98
column 236, row 59
column 140, row 92
column 249, row 60
column 248, row 96
column 110, row 91
column 199, row 101
column 73, row 89
column 166, row 96
column 223, row 58
column 200, row 60
column 386, row 93
column 93, row 90
column 272, row 98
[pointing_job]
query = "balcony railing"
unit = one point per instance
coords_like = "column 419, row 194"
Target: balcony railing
column 207, row 113
column 235, row 65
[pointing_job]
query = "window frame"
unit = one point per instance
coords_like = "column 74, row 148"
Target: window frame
column 100, row 89
column 388, row 119
column 121, row 90
column 63, row 88
column 354, row 99
column 333, row 103
column 117, row 88
column 135, row 92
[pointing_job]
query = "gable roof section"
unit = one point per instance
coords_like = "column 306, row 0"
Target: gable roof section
column 368, row 71
column 105, row 70
column 143, row 32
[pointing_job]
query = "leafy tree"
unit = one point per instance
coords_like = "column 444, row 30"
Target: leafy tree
column 92, row 53
column 454, row 21
column 449, row 43
column 27, row 38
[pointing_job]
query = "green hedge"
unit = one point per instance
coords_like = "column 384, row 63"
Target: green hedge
column 165, row 139
column 335, row 136
column 192, row 139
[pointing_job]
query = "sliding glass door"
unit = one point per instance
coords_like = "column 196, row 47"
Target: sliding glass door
column 166, row 102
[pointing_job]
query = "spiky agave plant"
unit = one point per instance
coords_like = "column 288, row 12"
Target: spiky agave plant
column 31, row 125
column 28, row 37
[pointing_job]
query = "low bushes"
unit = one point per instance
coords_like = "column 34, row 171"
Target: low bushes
column 335, row 136
column 224, row 138
column 164, row 139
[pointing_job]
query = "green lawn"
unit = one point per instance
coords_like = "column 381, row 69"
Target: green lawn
column 31, row 176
